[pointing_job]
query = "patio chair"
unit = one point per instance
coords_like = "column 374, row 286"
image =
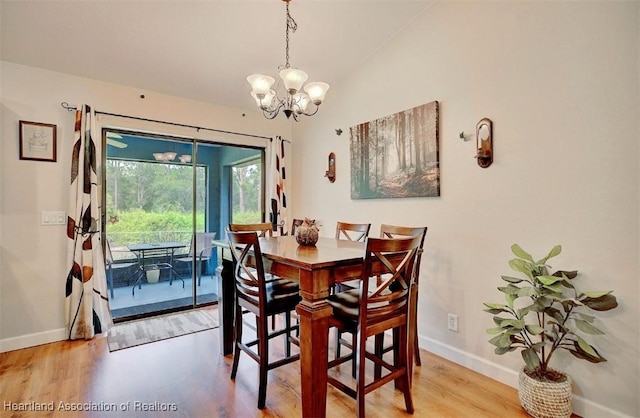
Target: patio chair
column 112, row 267
column 200, row 252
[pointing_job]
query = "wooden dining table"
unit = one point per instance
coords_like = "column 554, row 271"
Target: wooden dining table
column 316, row 269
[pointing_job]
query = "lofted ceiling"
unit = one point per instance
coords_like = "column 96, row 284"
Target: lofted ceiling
column 202, row 50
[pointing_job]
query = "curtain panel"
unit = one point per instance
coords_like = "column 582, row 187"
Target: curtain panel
column 86, row 304
column 277, row 198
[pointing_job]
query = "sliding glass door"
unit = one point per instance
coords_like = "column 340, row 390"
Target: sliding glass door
column 166, row 200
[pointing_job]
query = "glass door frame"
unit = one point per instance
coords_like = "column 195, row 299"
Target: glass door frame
column 209, row 223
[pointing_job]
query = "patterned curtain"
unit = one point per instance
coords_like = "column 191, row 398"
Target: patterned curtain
column 86, row 305
column 277, row 175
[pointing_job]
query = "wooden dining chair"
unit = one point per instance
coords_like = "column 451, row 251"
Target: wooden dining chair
column 295, row 224
column 264, row 298
column 263, row 229
column 396, row 231
column 371, row 309
column 352, row 232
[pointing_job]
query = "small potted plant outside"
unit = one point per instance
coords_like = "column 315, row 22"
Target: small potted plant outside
column 542, row 314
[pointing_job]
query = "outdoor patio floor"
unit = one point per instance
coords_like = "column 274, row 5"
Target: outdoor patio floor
column 162, row 296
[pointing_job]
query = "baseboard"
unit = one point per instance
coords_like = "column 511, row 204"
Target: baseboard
column 581, row 406
column 31, row 340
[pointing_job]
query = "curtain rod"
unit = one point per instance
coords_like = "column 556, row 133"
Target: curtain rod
column 72, row 108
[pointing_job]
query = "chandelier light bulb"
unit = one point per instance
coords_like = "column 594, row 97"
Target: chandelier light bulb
column 293, row 79
column 261, row 84
column 316, row 91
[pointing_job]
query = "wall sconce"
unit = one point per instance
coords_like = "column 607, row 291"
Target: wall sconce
column 331, row 172
column 484, row 142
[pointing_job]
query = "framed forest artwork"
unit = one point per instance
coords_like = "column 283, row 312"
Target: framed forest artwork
column 397, row 155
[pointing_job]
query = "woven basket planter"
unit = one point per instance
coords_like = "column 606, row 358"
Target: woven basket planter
column 545, row 399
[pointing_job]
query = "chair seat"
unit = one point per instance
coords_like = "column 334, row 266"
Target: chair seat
column 281, row 296
column 346, row 309
column 282, row 291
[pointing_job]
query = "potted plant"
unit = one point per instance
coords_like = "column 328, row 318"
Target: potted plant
column 544, row 313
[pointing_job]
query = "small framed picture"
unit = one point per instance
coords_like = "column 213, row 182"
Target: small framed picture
column 38, row 141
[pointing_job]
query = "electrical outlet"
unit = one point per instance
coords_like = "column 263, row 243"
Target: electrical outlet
column 452, row 322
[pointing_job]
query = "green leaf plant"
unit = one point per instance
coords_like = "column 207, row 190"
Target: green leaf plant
column 543, row 313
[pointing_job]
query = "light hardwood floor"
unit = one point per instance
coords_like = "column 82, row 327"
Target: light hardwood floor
column 189, row 372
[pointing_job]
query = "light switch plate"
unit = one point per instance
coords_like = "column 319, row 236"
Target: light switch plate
column 53, row 218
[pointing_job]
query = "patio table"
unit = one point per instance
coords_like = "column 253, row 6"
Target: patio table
column 147, row 252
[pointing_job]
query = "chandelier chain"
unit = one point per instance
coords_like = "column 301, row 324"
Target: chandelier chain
column 295, row 101
column 291, row 24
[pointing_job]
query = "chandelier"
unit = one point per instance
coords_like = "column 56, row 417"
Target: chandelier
column 294, row 102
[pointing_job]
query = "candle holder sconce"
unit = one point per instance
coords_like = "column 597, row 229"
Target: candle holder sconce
column 484, row 142
column 331, row 172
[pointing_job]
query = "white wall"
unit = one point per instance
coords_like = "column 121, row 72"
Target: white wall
column 32, row 257
column 560, row 82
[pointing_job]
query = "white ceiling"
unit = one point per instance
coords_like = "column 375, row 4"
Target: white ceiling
column 201, row 50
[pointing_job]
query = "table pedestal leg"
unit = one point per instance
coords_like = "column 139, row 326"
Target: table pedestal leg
column 314, row 339
column 226, row 309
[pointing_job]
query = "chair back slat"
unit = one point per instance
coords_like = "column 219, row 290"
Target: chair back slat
column 108, row 256
column 395, row 231
column 390, row 295
column 295, row 224
column 263, row 229
column 248, row 266
column 352, row 232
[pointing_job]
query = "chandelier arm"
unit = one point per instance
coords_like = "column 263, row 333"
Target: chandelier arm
column 270, row 114
column 314, row 112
